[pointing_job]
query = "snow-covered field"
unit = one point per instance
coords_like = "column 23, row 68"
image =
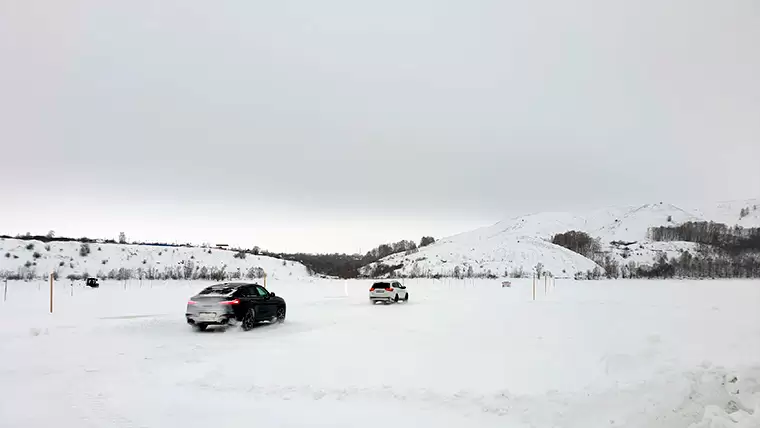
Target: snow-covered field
column 458, row 354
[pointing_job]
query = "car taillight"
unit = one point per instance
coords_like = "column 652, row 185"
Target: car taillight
column 230, row 302
column 389, row 289
column 372, row 289
column 190, row 302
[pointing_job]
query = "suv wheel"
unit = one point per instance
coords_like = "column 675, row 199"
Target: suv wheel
column 249, row 320
column 395, row 299
column 406, row 297
column 201, row 327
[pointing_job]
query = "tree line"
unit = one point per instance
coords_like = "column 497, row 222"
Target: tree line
column 347, row 265
column 733, row 240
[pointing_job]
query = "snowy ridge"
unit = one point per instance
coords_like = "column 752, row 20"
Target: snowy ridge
column 520, row 243
column 64, row 258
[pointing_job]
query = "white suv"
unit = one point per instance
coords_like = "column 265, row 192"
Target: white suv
column 387, row 291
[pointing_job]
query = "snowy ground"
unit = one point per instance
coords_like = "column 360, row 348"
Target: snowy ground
column 585, row 354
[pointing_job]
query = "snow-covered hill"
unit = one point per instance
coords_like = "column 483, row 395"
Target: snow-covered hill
column 498, row 254
column 520, row 243
column 730, row 212
column 35, row 258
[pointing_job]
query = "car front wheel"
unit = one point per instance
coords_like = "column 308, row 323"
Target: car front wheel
column 406, row 297
column 280, row 315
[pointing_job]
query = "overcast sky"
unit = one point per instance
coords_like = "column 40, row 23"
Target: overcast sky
column 339, row 125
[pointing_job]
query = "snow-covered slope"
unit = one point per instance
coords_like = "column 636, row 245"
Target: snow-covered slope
column 522, row 242
column 730, row 212
column 39, row 259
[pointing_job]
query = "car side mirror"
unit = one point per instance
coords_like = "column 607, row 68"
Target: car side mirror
column 271, row 294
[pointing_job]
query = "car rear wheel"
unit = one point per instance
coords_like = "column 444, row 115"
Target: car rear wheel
column 201, row 327
column 249, row 320
column 395, row 299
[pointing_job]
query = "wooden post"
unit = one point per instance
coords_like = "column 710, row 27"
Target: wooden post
column 5, row 291
column 534, row 286
column 265, row 281
column 546, row 283
column 51, row 293
column 72, row 288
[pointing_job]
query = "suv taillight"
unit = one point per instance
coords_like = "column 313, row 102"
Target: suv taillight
column 230, row 302
column 190, row 302
column 389, row 289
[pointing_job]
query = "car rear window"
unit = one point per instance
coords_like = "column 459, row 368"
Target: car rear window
column 381, row 285
column 218, row 289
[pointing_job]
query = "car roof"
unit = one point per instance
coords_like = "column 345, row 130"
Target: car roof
column 234, row 285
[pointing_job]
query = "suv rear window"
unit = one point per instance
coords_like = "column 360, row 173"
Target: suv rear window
column 381, row 285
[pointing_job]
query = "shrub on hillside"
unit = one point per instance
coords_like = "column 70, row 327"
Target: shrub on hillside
column 255, row 272
column 7, row 255
column 47, row 247
column 580, row 242
column 36, row 255
column 239, row 255
column 84, row 249
column 517, row 273
column 539, row 269
column 426, row 240
column 30, row 247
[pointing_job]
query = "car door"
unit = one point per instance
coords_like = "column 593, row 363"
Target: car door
column 266, row 306
column 247, row 296
column 400, row 290
column 397, row 289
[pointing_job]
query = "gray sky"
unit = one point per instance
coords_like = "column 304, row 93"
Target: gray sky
column 339, row 125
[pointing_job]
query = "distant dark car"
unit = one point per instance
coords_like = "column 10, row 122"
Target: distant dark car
column 92, row 282
column 230, row 303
